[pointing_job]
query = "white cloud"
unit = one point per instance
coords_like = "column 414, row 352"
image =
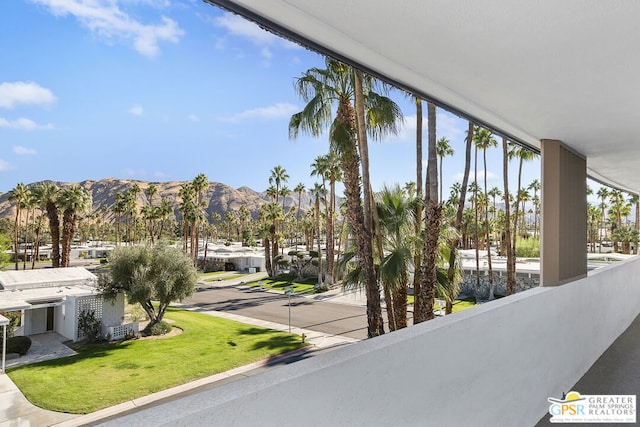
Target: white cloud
column 107, row 20
column 24, row 150
column 266, row 53
column 5, row 166
column 137, row 110
column 12, row 94
column 23, row 124
column 277, row 111
column 193, row 118
column 240, row 27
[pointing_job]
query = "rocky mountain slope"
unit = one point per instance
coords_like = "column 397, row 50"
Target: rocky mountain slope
column 218, row 197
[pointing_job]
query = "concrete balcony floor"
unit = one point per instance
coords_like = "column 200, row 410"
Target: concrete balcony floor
column 617, row 371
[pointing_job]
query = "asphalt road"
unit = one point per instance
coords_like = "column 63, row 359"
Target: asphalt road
column 321, row 316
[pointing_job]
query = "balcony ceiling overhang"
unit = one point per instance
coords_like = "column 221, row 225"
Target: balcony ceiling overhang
column 566, row 70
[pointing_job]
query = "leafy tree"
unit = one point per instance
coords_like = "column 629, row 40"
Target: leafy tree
column 5, row 246
column 150, row 273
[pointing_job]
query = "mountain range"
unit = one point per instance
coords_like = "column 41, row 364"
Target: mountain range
column 218, row 197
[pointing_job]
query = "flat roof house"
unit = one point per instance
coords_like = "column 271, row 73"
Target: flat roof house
column 52, row 299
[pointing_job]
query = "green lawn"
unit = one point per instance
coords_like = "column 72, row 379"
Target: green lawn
column 220, row 275
column 283, row 281
column 458, row 305
column 103, row 375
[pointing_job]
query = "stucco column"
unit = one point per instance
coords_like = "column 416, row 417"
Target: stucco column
column 564, row 214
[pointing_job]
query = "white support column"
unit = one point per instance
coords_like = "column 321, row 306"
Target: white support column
column 564, row 214
column 4, row 322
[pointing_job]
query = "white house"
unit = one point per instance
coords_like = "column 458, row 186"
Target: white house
column 52, row 299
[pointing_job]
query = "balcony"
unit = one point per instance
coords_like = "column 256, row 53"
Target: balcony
column 495, row 364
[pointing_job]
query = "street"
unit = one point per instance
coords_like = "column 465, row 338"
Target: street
column 306, row 313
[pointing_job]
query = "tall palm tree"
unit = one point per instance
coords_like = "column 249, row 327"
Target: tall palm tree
column 443, row 149
column 151, row 191
column 18, row 195
column 72, row 200
column 278, row 177
column 47, row 196
column 425, row 295
column 200, row 184
column 523, row 155
column 318, row 192
column 339, row 84
column 272, row 212
column 299, row 189
column 28, row 204
column 511, row 259
column 484, row 140
column 418, row 201
column 603, row 194
column 535, row 186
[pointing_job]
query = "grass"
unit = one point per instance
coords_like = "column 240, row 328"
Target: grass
column 220, row 275
column 103, row 375
column 458, row 305
column 280, row 283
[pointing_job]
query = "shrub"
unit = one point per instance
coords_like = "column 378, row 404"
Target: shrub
column 15, row 318
column 20, row 345
column 89, row 325
column 159, row 328
column 528, row 248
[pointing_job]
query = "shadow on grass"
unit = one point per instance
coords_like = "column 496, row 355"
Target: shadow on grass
column 272, row 342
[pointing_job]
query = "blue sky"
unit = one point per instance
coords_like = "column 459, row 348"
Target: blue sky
column 163, row 90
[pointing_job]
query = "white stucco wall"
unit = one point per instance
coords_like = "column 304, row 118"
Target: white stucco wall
column 492, row 365
column 38, row 321
column 67, row 326
column 113, row 311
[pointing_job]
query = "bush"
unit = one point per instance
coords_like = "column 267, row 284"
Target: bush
column 528, row 248
column 20, row 345
column 89, row 324
column 159, row 328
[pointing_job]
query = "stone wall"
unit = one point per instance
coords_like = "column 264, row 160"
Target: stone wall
column 469, row 284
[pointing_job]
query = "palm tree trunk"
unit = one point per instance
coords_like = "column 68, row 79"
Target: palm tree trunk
column 54, row 229
column 423, row 301
column 417, row 257
column 486, row 211
column 511, row 261
column 350, row 163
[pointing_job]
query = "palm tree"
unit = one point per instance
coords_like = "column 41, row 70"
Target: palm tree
column 397, row 225
column 299, row 189
column 72, row 200
column 484, row 140
column 151, row 191
column 28, row 204
column 418, row 201
column 272, row 212
column 339, row 84
column 47, row 196
column 535, row 186
column 443, row 149
column 200, row 184
column 278, row 177
column 511, row 260
column 318, row 192
column 523, row 155
column 19, row 193
column 425, row 295
column 603, row 194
